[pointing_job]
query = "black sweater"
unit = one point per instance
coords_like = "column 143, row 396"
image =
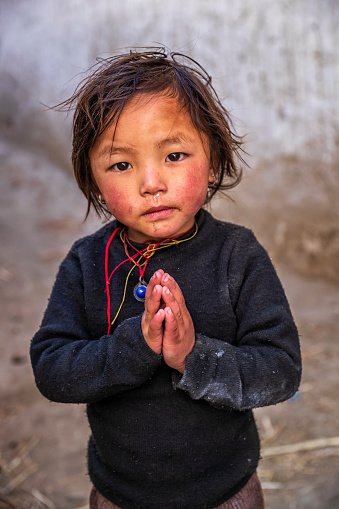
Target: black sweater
column 159, row 438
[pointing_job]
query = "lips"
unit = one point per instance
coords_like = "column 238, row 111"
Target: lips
column 159, row 212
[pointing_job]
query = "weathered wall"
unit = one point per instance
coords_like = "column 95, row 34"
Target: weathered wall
column 275, row 64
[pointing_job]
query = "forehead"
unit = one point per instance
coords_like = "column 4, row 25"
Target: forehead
column 150, row 118
column 147, row 105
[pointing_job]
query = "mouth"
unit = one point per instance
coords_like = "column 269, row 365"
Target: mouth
column 160, row 212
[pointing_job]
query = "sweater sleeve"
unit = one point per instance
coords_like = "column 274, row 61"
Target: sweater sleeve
column 262, row 364
column 70, row 366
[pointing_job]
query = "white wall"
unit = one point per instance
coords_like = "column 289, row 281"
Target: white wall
column 274, row 63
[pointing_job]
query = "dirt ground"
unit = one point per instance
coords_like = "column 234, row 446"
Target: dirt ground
column 43, row 444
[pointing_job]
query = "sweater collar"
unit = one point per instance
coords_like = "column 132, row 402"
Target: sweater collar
column 200, row 219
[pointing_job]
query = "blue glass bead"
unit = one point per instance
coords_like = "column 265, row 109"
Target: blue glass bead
column 140, row 292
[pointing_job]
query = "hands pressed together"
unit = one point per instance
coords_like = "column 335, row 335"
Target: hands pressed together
column 166, row 323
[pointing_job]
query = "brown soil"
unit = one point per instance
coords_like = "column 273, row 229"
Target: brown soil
column 43, row 444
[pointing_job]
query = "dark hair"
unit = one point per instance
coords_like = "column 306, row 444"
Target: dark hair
column 100, row 98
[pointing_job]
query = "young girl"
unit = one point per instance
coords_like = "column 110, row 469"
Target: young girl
column 170, row 325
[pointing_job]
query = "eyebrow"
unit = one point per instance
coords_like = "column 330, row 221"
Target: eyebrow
column 177, row 138
column 109, row 150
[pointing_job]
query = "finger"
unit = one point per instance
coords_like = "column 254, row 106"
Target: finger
column 156, row 277
column 179, row 310
column 154, row 280
column 153, row 331
column 171, row 326
column 152, row 300
column 183, row 327
column 155, row 327
column 170, row 282
column 157, row 321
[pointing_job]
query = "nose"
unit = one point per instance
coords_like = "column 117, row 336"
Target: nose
column 152, row 181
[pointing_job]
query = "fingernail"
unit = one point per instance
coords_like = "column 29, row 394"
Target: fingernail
column 165, row 278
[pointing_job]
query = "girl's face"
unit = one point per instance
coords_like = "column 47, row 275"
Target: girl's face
column 152, row 168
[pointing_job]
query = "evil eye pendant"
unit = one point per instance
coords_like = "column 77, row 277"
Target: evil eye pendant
column 139, row 291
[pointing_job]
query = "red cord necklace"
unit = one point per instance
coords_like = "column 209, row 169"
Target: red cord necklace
column 139, row 259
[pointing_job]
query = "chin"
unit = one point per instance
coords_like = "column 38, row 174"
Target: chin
column 158, row 231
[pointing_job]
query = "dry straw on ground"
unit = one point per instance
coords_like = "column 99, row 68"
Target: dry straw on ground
column 14, row 471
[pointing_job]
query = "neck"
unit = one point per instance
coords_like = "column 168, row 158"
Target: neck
column 157, row 242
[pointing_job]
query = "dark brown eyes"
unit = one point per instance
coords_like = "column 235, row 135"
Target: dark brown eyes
column 175, row 156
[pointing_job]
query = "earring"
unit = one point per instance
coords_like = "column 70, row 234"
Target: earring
column 101, row 200
column 211, row 178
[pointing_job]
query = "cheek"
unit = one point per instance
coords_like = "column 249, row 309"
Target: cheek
column 117, row 203
column 194, row 188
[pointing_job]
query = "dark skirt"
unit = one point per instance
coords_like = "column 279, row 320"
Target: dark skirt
column 249, row 497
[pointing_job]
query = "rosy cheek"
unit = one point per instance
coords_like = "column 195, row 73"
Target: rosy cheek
column 195, row 188
column 117, row 203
